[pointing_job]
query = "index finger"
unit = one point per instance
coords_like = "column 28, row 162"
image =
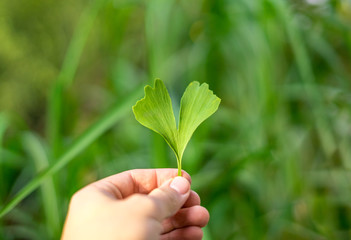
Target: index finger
column 141, row 181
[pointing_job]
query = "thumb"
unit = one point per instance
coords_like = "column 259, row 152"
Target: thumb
column 170, row 197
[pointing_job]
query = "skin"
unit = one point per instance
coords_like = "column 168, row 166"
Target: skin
column 136, row 205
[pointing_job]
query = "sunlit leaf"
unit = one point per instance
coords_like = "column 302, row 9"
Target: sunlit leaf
column 155, row 111
column 198, row 103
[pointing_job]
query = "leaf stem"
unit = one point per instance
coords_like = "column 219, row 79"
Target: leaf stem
column 179, row 163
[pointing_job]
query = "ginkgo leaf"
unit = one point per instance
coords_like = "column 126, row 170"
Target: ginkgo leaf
column 155, row 111
column 198, row 103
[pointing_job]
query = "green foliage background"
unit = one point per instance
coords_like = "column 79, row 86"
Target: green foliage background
column 273, row 163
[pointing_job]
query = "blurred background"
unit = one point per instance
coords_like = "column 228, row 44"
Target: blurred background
column 273, row 163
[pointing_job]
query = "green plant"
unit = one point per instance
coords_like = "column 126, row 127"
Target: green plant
column 155, row 112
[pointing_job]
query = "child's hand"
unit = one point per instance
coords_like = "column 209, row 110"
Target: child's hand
column 137, row 204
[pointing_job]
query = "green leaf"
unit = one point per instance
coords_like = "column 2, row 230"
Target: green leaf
column 198, row 103
column 155, row 112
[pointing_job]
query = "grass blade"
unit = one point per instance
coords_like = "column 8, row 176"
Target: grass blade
column 37, row 152
column 69, row 67
column 304, row 67
column 3, row 127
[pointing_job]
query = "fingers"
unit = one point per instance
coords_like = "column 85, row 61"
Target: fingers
column 146, row 180
column 142, row 181
column 169, row 198
column 188, row 233
column 194, row 216
column 193, row 200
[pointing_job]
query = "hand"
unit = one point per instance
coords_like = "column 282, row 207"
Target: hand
column 138, row 204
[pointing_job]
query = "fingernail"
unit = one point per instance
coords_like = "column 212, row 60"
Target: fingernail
column 180, row 184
